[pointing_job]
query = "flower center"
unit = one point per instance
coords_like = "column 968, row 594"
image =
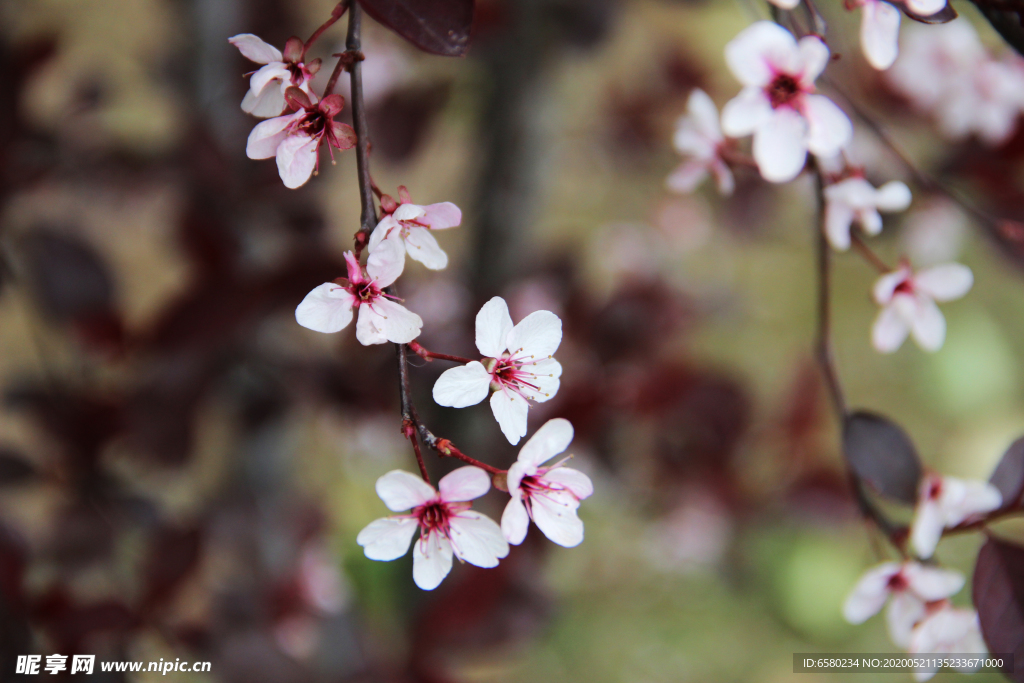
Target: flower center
column 298, row 73
column 935, row 489
column 508, row 373
column 905, row 287
column 897, row 583
column 365, row 292
column 783, row 90
column 433, row 517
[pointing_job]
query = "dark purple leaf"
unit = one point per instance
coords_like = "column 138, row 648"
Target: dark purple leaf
column 1008, row 476
column 1006, row 17
column 14, row 468
column 67, row 277
column 440, row 27
column 174, row 553
column 999, row 597
column 882, row 455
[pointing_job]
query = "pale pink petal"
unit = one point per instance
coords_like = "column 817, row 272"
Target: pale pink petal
column 926, row 7
column 961, row 499
column 554, row 513
column 493, row 324
column 516, row 472
column 548, row 441
column 386, row 261
column 545, row 377
column 723, row 175
column 401, row 490
column 703, row 115
column 904, row 611
column 814, row 55
column 893, row 196
column 327, row 308
column 514, row 521
column 409, row 212
column 422, row 247
column 889, row 331
column 535, row 336
column 266, row 76
column 946, row 282
column 464, row 483
column 268, row 103
column 296, row 159
column 869, row 593
column 387, row 538
column 785, row 4
column 267, row 136
column 462, row 386
column 758, row 50
column 441, row 216
column 885, row 286
column 780, row 147
column 743, row 114
column 838, row 218
column 926, row 529
column 946, row 631
column 574, row 481
column 477, row 539
column 431, row 561
column 398, row 324
column 370, row 327
column 829, row 128
column 510, row 410
column 870, row 221
column 687, row 176
column 255, row 49
column 929, row 325
column 856, row 193
column 932, row 583
column 387, row 228
column 879, row 33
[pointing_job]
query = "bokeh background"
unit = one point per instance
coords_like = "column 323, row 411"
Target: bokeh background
column 184, row 469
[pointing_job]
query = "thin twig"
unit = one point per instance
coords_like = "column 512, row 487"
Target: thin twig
column 336, row 13
column 869, row 255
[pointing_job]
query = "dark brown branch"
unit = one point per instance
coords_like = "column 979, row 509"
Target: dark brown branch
column 446, row 448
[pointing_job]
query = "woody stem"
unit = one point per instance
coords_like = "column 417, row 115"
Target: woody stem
column 337, row 13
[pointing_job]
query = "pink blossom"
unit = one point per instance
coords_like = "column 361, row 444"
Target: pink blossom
column 518, row 367
column 295, row 139
column 328, row 308
column 549, row 496
column 855, row 200
column 779, row 104
column 947, row 630
column 908, row 305
column 907, row 586
column 446, row 524
column 945, row 502
column 410, row 224
column 266, row 95
column 699, row 137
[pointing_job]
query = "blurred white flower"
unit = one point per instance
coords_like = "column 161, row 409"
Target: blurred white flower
column 908, row 305
column 945, row 502
column 778, row 104
column 699, row 137
column 446, row 524
column 879, row 32
column 267, row 86
column 948, row 630
column 855, row 200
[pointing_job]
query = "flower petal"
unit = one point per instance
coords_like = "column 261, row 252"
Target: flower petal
column 929, row 325
column 574, row 481
column 780, row 146
column 758, row 51
column 829, row 128
column 838, row 219
column 869, row 593
column 814, row 56
column 927, row 527
column 296, row 159
column 687, row 176
column 932, row 583
column 462, row 386
column 510, row 410
column 327, row 308
column 893, row 196
column 477, row 539
column 270, row 76
column 743, row 114
column 267, row 136
column 961, row 499
column 547, row 442
column 905, row 610
column 255, row 49
column 889, row 331
column 387, row 228
column 441, row 216
column 493, row 324
column 386, row 261
column 544, row 376
column 422, row 247
column 401, row 490
column 879, row 33
column 946, row 282
column 431, row 561
column 370, row 327
column 464, row 483
column 397, row 323
column 268, row 103
column 535, row 336
column 703, row 115
column 514, row 521
column 885, row 286
column 554, row 513
column 926, row 8
column 387, row 538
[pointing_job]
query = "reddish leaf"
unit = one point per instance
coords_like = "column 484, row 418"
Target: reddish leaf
column 999, row 597
column 440, row 27
column 1006, row 17
column 882, row 455
column 1008, row 476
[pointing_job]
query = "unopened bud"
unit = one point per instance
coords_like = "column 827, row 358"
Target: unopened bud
column 500, row 481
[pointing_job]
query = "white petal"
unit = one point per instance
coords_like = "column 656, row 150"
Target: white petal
column 574, row 481
column 926, row 528
column 929, row 326
column 465, row 385
column 327, row 308
column 879, row 33
column 723, row 174
column 856, row 193
column 387, row 538
column 687, row 176
column 255, row 49
column 870, row 221
column 960, row 499
column 386, row 260
column 869, row 593
column 270, row 76
column 704, row 114
column 885, row 286
column 829, row 128
column 889, row 331
column 514, row 521
column 932, row 583
column 814, row 56
column 431, row 561
column 369, row 327
column 422, row 247
column 477, row 539
column 555, row 514
column 516, row 472
column 946, row 282
column 296, row 159
column 441, row 216
column 388, row 228
column 397, row 323
column 510, row 411
column 493, row 324
column 409, row 212
column 904, row 611
column 545, row 377
column 536, row 336
column 926, row 7
column 464, row 483
column 755, row 50
column 267, row 136
column 780, row 146
column 838, row 218
column 548, row 441
column 268, row 103
column 401, row 490
column 893, row 196
column 785, row 4
column 743, row 114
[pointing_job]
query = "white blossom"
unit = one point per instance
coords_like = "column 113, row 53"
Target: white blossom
column 944, row 502
column 267, row 86
column 855, row 200
column 699, row 137
column 908, row 305
column 410, row 225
